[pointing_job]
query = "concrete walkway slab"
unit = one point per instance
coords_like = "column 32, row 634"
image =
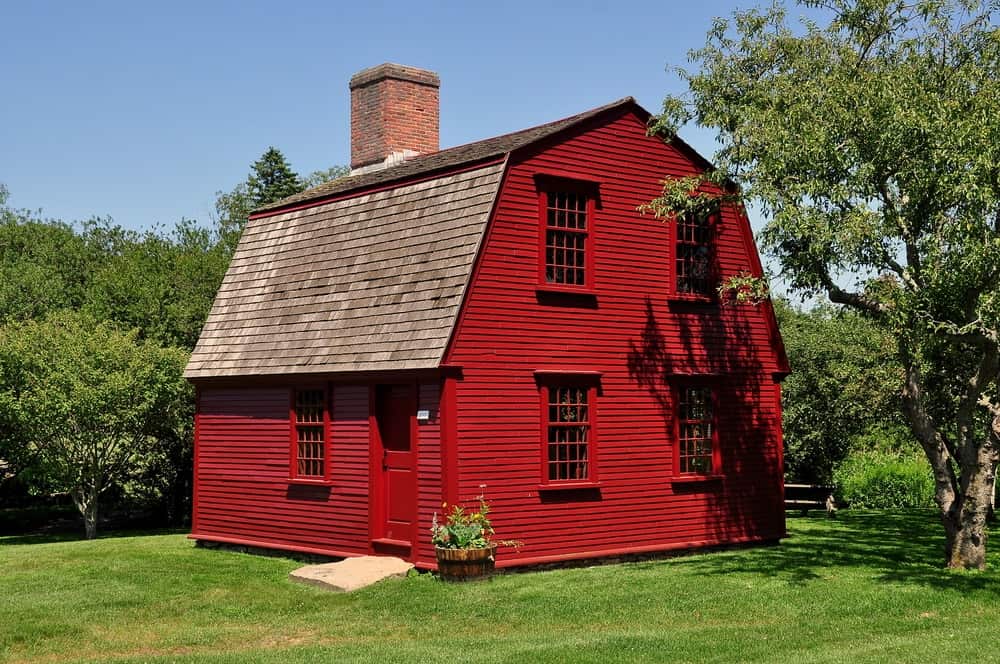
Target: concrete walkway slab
column 351, row 573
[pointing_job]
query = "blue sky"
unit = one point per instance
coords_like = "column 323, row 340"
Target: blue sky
column 142, row 111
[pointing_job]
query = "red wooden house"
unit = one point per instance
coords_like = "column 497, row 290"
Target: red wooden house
column 495, row 315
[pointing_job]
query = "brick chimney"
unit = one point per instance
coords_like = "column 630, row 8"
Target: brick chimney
column 394, row 115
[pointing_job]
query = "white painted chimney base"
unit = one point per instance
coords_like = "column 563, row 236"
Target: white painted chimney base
column 392, row 160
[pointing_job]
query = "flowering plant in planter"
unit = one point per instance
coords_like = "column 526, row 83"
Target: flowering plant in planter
column 463, row 543
column 463, row 529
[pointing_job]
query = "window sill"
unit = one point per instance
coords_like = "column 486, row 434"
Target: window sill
column 572, row 290
column 574, row 486
column 687, row 297
column 566, row 296
column 309, row 482
column 692, row 305
column 690, row 479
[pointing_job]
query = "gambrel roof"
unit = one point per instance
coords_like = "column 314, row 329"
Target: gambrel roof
column 365, row 272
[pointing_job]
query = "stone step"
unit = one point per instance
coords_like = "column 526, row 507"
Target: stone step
column 351, row 573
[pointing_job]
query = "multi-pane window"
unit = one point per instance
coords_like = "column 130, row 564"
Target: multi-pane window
column 566, row 228
column 695, row 426
column 568, row 433
column 309, row 450
column 693, row 261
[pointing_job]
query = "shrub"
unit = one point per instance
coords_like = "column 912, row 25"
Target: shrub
column 884, row 480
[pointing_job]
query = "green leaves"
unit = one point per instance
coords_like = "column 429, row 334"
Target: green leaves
column 876, row 479
column 463, row 529
column 873, row 144
column 844, row 383
column 162, row 285
column 272, row 179
column 86, row 404
column 44, row 265
column 858, row 134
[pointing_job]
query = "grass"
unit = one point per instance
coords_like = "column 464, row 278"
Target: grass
column 866, row 587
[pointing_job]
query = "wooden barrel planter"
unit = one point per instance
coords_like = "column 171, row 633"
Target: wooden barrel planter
column 466, row 564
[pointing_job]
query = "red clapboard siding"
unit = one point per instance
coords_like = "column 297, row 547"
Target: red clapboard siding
column 243, row 491
column 429, row 488
column 244, row 494
column 636, row 336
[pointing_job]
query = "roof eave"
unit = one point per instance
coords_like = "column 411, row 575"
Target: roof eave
column 382, row 185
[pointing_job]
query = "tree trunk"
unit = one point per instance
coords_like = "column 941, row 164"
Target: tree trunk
column 965, row 527
column 991, row 517
column 90, row 520
column 963, row 501
column 87, row 505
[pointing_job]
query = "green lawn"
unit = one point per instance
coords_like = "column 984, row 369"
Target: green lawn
column 865, row 587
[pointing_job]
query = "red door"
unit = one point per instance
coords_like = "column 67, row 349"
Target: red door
column 394, row 410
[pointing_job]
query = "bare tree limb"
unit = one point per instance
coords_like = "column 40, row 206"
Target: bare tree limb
column 839, row 296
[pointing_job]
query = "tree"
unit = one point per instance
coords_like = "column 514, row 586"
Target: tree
column 317, row 178
column 873, row 144
column 44, row 264
column 842, row 388
column 87, row 402
column 232, row 210
column 161, row 284
column 270, row 180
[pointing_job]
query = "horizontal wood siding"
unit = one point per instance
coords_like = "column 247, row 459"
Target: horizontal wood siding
column 243, row 490
column 639, row 338
column 350, row 459
column 429, row 489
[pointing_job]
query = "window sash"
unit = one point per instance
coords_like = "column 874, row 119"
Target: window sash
column 310, row 424
column 565, row 219
column 565, row 257
column 567, row 418
column 696, row 431
column 693, row 255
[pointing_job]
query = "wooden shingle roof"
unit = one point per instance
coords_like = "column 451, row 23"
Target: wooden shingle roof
column 372, row 282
